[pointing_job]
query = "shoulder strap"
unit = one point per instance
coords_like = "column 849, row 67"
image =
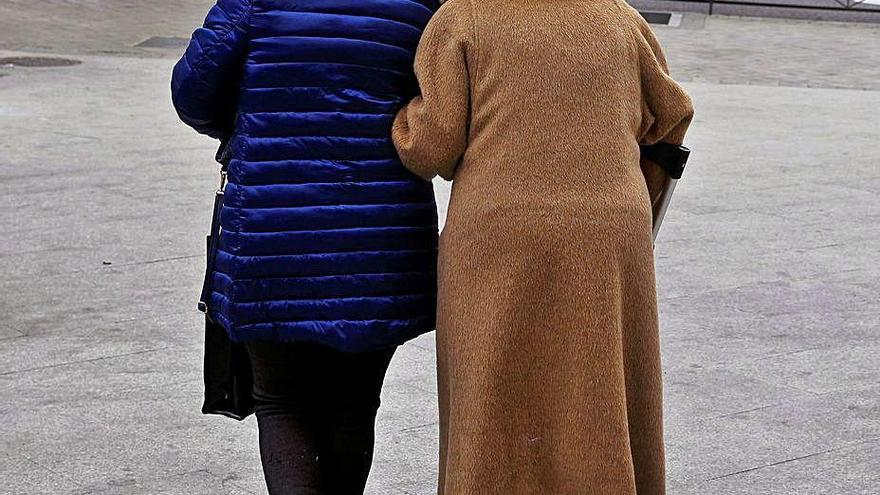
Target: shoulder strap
column 212, row 244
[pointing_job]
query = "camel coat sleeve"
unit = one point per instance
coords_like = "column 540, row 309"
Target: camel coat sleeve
column 667, row 109
column 431, row 132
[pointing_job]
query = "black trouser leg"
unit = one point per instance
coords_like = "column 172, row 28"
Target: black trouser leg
column 290, row 454
column 288, row 423
column 316, row 410
column 350, row 420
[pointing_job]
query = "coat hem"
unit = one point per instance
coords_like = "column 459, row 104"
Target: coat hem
column 351, row 342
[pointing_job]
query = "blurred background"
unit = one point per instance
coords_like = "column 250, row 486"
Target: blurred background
column 767, row 262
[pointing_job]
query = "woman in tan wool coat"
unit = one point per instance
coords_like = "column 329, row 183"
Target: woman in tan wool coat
column 547, row 334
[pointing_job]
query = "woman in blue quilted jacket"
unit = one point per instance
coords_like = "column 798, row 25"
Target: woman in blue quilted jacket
column 327, row 257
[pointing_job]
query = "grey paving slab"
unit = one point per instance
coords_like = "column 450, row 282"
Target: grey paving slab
column 407, row 463
column 154, row 445
column 7, row 332
column 831, row 472
column 763, row 438
column 774, row 52
column 200, row 482
column 700, row 393
column 90, row 335
column 407, row 446
column 95, row 26
column 18, row 474
column 820, row 370
column 712, row 329
column 95, row 342
column 762, row 8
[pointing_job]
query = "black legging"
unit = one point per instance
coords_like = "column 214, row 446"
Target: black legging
column 316, row 411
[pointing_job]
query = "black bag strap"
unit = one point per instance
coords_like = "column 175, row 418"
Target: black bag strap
column 671, row 157
column 212, row 245
column 213, row 239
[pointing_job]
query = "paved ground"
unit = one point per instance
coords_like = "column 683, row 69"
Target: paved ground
column 767, row 269
column 817, row 10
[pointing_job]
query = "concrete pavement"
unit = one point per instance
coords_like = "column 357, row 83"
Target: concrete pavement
column 815, row 10
column 766, row 267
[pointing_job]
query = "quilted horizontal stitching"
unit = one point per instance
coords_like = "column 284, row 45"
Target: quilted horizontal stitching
column 412, row 2
column 364, row 161
column 324, row 62
column 420, row 4
column 353, row 183
column 325, row 253
column 298, row 277
column 331, row 38
column 252, row 230
column 334, row 87
column 286, row 182
column 304, row 112
column 278, row 183
column 344, row 229
column 334, row 205
column 396, row 104
column 321, row 136
column 287, row 135
column 300, row 8
column 394, row 277
column 365, row 153
column 328, row 113
column 288, row 88
column 356, row 16
column 281, row 134
column 414, row 319
column 254, row 303
column 409, row 295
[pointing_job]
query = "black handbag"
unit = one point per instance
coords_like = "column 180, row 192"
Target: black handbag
column 228, row 378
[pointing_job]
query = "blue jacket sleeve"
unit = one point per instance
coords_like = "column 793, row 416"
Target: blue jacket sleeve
column 205, row 81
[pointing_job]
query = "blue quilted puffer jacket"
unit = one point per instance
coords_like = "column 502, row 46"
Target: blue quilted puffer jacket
column 326, row 237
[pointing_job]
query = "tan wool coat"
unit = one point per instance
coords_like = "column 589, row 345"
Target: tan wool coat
column 547, row 334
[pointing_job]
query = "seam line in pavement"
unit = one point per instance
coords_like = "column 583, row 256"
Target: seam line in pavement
column 150, row 262
column 90, row 360
column 418, row 427
column 107, row 267
column 749, row 470
column 46, row 468
column 793, row 459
